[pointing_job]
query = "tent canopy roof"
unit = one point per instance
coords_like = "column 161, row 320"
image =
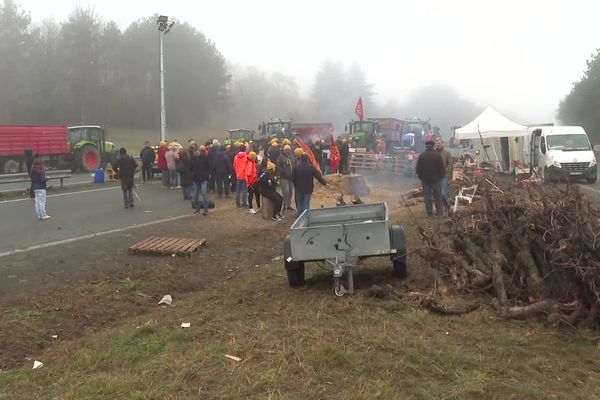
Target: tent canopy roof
column 490, row 124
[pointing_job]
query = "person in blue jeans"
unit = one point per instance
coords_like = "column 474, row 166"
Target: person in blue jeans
column 303, row 177
column 201, row 172
column 38, row 186
column 449, row 165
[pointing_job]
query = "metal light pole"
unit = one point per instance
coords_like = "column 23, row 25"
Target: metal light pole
column 164, row 27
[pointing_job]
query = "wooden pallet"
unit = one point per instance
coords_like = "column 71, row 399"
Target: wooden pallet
column 167, row 245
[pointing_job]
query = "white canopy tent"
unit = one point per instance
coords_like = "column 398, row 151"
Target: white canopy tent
column 486, row 131
column 490, row 124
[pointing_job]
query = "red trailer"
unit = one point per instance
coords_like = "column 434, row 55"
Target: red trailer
column 50, row 142
column 312, row 131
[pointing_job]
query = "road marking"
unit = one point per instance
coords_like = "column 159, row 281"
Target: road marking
column 63, row 194
column 589, row 188
column 91, row 235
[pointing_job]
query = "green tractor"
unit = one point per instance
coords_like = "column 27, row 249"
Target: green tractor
column 89, row 148
column 243, row 134
column 275, row 128
column 365, row 133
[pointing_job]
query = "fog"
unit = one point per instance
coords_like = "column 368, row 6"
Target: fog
column 430, row 59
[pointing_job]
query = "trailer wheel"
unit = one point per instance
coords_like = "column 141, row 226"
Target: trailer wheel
column 294, row 269
column 398, row 243
column 295, row 273
column 88, row 158
column 592, row 180
column 11, row 167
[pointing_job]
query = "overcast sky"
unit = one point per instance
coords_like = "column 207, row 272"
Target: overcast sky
column 520, row 56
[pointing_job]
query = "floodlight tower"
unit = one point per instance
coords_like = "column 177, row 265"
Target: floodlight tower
column 164, row 27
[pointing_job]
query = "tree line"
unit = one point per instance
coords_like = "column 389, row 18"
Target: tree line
column 85, row 70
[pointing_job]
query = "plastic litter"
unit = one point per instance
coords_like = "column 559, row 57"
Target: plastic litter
column 166, row 300
column 37, row 364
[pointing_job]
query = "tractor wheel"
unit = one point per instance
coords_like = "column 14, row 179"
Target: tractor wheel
column 88, row 158
column 114, row 158
column 11, row 167
column 398, row 243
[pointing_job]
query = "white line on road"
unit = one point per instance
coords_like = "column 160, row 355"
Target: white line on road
column 91, row 235
column 63, row 194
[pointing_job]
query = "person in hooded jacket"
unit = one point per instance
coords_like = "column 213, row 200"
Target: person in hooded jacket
column 187, row 176
column 38, row 185
column 252, row 173
column 239, row 165
column 201, row 172
column 223, row 171
column 268, row 186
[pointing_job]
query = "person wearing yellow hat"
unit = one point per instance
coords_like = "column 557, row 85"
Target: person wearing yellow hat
column 274, row 151
column 303, row 177
column 285, row 166
column 252, row 182
column 287, row 142
column 268, row 186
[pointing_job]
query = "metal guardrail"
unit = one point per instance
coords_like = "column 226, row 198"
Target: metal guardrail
column 376, row 163
column 23, row 177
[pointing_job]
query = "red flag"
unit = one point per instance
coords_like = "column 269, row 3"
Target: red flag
column 310, row 154
column 359, row 109
column 336, row 157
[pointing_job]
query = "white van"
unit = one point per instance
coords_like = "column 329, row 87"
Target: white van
column 558, row 152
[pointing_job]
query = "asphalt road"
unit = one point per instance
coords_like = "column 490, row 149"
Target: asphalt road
column 82, row 212
column 75, row 180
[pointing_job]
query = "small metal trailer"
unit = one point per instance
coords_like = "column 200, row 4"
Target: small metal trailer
column 342, row 237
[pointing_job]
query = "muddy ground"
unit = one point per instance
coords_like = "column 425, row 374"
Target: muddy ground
column 59, row 293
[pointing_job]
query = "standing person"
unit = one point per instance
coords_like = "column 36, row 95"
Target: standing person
column 239, row 165
column 187, row 176
column 38, row 186
column 162, row 163
column 125, row 167
column 274, row 151
column 268, row 184
column 447, row 157
column 344, row 153
column 285, row 166
column 303, row 178
column 201, row 171
column 430, row 170
column 252, row 174
column 212, row 148
column 223, row 170
column 171, row 158
column 147, row 155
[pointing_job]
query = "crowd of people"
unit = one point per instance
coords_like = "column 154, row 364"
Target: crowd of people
column 279, row 171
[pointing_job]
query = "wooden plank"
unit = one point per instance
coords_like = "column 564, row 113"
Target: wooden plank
column 143, row 242
column 178, row 246
column 152, row 243
column 164, row 245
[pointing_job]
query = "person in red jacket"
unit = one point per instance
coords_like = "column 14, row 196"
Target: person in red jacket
column 239, row 164
column 252, row 182
column 162, row 163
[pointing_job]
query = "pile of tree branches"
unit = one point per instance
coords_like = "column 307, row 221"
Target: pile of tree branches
column 535, row 249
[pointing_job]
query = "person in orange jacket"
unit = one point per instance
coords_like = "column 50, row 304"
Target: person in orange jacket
column 239, row 164
column 252, row 182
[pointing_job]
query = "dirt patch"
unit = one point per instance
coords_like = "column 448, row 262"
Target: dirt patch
column 60, row 293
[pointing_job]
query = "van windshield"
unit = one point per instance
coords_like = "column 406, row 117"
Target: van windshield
column 576, row 142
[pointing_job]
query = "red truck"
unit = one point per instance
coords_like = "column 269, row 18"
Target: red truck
column 77, row 147
column 312, row 131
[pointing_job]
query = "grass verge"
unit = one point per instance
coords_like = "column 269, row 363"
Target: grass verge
column 307, row 344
